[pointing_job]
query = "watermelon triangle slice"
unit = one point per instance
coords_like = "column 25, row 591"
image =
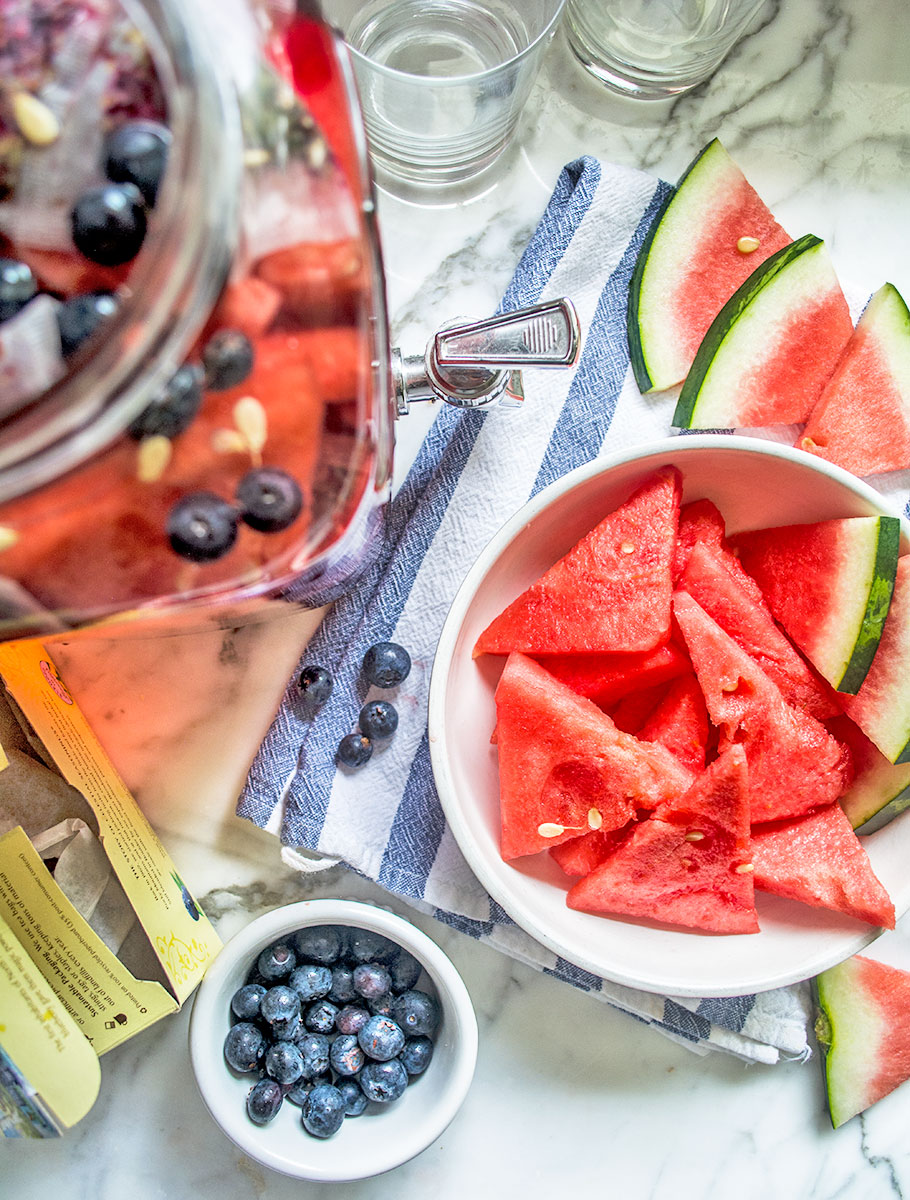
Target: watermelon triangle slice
column 862, row 1029
column 611, row 592
column 680, row 722
column 721, row 593
column 688, row 864
column 606, row 678
column 691, row 262
column 819, row 860
column 881, row 707
column 795, row 765
column 829, row 583
column 772, row 347
column 564, row 767
column 862, row 419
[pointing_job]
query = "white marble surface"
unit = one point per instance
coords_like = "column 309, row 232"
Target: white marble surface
column 569, row 1095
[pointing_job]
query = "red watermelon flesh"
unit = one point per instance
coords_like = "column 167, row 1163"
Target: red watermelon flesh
column 581, row 855
column 689, row 863
column 862, row 419
column 633, row 710
column 819, row 860
column 610, row 593
column 721, row 594
column 680, row 722
column 795, row 765
column 701, row 523
column 606, row 678
column 862, row 1028
column 564, row 767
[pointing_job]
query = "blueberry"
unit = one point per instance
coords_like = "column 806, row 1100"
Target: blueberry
column 136, row 152
column 372, row 980
column 202, row 527
column 315, row 685
column 416, row 1013
column 381, row 1005
column 269, row 500
column 351, row 1019
column 354, row 750
column 346, row 1055
column 276, row 962
column 80, row 316
column 280, row 1003
column 322, row 944
column 227, row 358
column 311, row 982
column 386, row 664
column 320, row 1017
column 342, row 990
column 108, row 223
column 354, row 1100
column 405, row 971
column 244, row 1047
column 287, row 1029
column 298, row 1092
column 383, row 1081
column 264, row 1101
column 173, row 409
column 323, row 1111
column 314, row 1050
column 378, row 719
column 284, row 1062
column 367, row 946
column 381, row 1038
column 246, row 1000
column 416, row 1055
column 17, row 286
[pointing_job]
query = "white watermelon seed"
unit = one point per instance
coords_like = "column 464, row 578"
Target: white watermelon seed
column 550, row 830
column 747, row 245
column 627, row 548
column 595, row 820
column 744, row 868
column 694, row 835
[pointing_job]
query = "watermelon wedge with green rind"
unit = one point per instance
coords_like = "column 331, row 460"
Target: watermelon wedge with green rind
column 690, row 264
column 688, row 863
column 564, row 767
column 829, row 584
column 881, row 707
column 795, row 765
column 721, row 593
column 610, row 593
column 880, row 790
column 862, row 419
column 818, row 860
column 606, row 678
column 772, row 347
column 862, row 1029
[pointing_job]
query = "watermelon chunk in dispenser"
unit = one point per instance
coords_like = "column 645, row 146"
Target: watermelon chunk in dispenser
column 197, row 394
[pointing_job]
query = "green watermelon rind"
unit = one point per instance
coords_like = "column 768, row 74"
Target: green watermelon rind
column 872, row 805
column 881, row 589
column 637, row 356
column 740, row 302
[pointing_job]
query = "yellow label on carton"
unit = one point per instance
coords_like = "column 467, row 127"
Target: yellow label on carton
column 98, row 992
column 41, row 1041
column 179, row 932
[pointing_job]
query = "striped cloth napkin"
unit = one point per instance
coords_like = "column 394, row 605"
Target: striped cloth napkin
column 474, row 471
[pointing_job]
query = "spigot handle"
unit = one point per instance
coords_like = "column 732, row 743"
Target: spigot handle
column 543, row 335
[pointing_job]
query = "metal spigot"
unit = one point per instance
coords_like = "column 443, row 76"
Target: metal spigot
column 476, row 364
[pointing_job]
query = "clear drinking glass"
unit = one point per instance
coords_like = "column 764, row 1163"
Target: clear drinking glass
column 654, row 49
column 443, row 82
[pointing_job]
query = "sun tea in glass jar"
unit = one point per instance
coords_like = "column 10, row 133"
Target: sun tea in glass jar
column 195, row 401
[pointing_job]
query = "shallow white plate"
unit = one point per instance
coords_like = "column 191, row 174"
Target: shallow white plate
column 754, row 484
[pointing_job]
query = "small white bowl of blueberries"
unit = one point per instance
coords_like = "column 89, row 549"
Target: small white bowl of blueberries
column 332, row 1040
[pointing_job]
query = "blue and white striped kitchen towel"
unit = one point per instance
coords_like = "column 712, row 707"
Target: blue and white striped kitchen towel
column 474, row 471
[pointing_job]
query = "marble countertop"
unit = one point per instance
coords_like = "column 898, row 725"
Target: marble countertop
column 569, row 1094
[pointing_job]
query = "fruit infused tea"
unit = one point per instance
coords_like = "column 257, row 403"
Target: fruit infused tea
column 188, row 345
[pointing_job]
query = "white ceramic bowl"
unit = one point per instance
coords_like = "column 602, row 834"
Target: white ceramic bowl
column 384, row 1136
column 754, row 483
